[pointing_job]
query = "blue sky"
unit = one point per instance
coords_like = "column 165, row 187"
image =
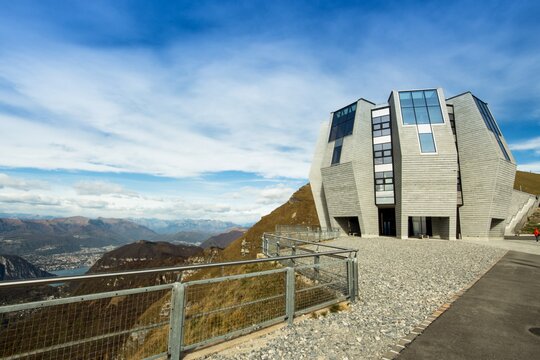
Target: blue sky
column 211, row 109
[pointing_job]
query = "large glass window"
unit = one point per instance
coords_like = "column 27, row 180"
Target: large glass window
column 381, row 125
column 491, row 125
column 342, row 122
column 427, row 145
column 420, row 107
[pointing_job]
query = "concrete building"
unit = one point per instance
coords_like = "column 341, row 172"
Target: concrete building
column 419, row 165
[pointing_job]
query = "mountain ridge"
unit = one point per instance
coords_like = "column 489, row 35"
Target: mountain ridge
column 13, row 267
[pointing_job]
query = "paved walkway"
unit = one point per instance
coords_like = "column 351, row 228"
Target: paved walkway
column 491, row 320
column 525, row 244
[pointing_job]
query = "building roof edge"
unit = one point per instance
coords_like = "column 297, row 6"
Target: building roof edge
column 366, row 100
column 463, row 93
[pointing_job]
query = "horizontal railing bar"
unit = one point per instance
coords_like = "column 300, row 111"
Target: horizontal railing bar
column 320, row 306
column 326, row 284
column 308, row 242
column 75, row 299
column 236, row 333
column 44, row 281
column 83, row 341
column 228, row 308
column 234, row 277
column 162, row 355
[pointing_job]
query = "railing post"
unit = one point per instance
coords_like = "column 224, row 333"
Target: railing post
column 265, row 245
column 316, row 261
column 176, row 325
column 277, row 248
column 352, row 277
column 355, row 278
column 289, row 297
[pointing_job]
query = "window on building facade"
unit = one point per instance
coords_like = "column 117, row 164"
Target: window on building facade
column 381, row 126
column 491, row 125
column 420, row 107
column 342, row 122
column 427, row 144
column 336, row 155
column 384, row 181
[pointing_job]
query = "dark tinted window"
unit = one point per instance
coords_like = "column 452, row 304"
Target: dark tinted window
column 342, row 122
column 491, row 125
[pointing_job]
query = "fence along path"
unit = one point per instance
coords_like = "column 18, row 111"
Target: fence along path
column 151, row 314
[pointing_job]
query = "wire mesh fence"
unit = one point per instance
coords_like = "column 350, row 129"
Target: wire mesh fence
column 307, row 233
column 99, row 326
column 150, row 314
column 213, row 309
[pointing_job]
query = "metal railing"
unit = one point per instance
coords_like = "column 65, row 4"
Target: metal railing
column 307, row 233
column 151, row 314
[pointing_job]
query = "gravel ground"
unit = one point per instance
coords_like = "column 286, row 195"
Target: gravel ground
column 401, row 283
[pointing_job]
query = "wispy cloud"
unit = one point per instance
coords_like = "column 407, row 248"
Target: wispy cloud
column 89, row 187
column 95, row 198
column 7, row 181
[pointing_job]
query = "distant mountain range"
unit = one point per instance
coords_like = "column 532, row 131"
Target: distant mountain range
column 14, row 267
column 23, row 236
column 223, row 240
column 185, row 225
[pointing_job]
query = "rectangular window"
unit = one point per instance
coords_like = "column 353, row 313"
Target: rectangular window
column 342, row 122
column 427, row 144
column 422, row 116
column 336, row 156
column 420, row 107
column 408, row 116
column 435, row 115
column 381, row 126
column 405, row 99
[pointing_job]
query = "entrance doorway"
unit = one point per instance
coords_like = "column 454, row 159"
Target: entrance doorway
column 420, row 226
column 349, row 224
column 387, row 222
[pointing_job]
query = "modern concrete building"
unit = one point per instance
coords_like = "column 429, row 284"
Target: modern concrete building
column 419, row 165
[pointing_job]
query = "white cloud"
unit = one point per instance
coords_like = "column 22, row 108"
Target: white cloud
column 91, row 112
column 94, row 198
column 531, row 144
column 532, row 166
column 7, row 181
column 87, row 187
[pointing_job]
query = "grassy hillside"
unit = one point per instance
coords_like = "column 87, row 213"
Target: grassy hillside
column 527, row 182
column 299, row 210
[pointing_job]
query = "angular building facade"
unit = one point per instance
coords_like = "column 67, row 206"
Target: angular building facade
column 419, row 165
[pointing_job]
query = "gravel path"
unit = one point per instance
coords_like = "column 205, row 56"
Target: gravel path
column 401, row 283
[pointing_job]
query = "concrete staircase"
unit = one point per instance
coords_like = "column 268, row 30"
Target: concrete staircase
column 523, row 211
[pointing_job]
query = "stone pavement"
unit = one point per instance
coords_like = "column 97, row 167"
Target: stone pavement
column 491, row 320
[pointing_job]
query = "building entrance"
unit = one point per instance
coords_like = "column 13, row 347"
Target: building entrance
column 420, row 226
column 387, row 222
column 349, row 224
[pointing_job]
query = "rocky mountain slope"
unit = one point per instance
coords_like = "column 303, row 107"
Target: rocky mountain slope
column 223, row 240
column 14, row 267
column 145, row 254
